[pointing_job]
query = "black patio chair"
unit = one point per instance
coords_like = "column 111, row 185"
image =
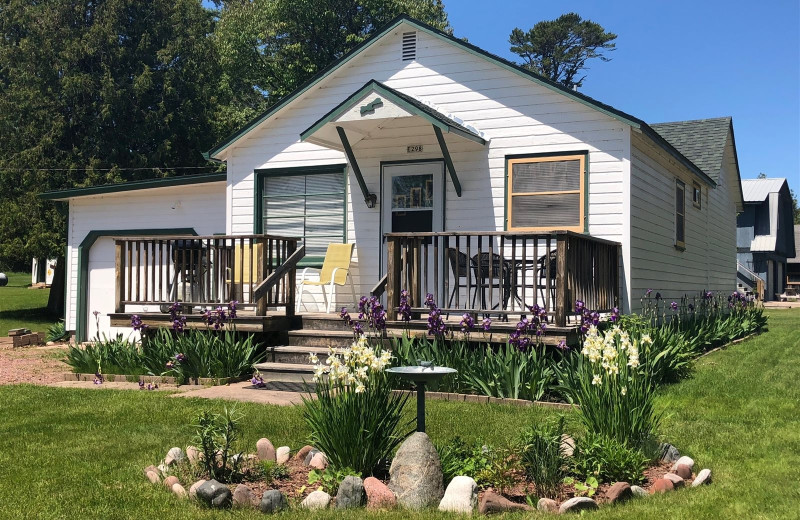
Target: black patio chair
column 460, row 270
column 492, row 272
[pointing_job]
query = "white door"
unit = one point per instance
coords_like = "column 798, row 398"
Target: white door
column 412, row 199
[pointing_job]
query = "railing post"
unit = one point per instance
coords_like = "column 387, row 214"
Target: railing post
column 261, row 272
column 392, row 277
column 561, row 280
column 119, row 263
column 291, row 280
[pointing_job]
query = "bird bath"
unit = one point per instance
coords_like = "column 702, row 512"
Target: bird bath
column 421, row 374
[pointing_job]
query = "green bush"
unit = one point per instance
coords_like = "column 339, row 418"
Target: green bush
column 57, row 331
column 459, row 458
column 216, row 435
column 542, row 458
column 616, row 395
column 608, row 460
column 356, row 419
column 116, row 355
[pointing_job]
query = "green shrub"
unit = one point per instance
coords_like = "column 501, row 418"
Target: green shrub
column 542, row 458
column 270, row 471
column 216, row 435
column 329, row 479
column 615, row 394
column 501, row 470
column 459, row 458
column 57, row 331
column 608, row 460
column 108, row 356
column 356, row 419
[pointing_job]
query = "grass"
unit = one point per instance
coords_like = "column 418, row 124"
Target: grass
column 23, row 307
column 75, row 453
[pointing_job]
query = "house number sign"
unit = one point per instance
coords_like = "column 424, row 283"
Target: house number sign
column 414, row 148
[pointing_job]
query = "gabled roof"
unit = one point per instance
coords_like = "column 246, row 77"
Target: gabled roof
column 702, row 141
column 407, row 103
column 757, row 190
column 165, row 182
column 615, row 113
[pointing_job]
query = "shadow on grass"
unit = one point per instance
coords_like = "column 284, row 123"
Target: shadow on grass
column 27, row 314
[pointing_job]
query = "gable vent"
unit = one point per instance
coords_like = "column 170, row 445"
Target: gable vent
column 410, row 46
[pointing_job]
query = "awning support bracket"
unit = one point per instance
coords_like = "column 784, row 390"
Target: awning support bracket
column 447, row 160
column 370, row 199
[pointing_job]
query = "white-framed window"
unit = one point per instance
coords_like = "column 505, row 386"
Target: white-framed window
column 546, row 192
column 697, row 195
column 680, row 214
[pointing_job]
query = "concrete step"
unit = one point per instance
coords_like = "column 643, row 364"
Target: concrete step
column 295, row 354
column 285, row 372
column 320, row 338
column 326, row 322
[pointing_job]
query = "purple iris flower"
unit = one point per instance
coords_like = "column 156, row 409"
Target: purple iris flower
column 674, row 306
column 486, row 324
column 467, row 322
column 404, row 308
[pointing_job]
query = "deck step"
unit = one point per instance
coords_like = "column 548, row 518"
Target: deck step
column 320, row 338
column 285, row 372
column 295, row 354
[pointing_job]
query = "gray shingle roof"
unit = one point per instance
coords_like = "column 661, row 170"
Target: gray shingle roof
column 702, row 141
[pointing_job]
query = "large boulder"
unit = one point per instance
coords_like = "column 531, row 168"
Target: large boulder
column 351, row 493
column 193, row 488
column 273, row 501
column 669, row 453
column 577, row 504
column 619, row 492
column 416, row 473
column 214, row 494
column 461, row 496
column 379, row 496
column 174, row 456
column 265, row 450
column 282, row 454
column 243, row 497
column 495, row 503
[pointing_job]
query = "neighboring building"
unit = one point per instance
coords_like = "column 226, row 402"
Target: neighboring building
column 416, row 131
column 765, row 234
column 793, row 265
column 42, row 271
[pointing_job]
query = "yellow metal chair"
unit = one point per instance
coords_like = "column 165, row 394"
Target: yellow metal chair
column 335, row 271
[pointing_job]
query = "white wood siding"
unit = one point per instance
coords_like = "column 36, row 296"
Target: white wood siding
column 517, row 115
column 709, row 259
column 200, row 206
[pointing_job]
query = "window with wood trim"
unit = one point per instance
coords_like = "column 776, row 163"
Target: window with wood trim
column 697, row 195
column 309, row 205
column 547, row 193
column 680, row 214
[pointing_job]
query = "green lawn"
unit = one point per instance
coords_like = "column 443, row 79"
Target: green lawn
column 80, row 453
column 23, row 307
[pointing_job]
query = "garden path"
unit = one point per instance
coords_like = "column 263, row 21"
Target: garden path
column 245, row 391
column 35, row 365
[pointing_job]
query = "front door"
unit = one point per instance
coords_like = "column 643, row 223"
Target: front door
column 412, row 199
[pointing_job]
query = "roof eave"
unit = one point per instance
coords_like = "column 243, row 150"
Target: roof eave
column 167, row 182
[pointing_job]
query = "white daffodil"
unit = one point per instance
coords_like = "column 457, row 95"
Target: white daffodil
column 624, row 390
column 597, row 380
column 313, row 358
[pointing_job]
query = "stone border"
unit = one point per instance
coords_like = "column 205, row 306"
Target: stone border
column 168, row 380
column 726, row 345
column 473, row 398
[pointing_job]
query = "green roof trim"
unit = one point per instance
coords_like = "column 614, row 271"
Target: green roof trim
column 406, row 102
column 165, row 182
column 497, row 60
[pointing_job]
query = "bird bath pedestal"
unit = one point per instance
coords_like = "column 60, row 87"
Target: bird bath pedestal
column 422, row 374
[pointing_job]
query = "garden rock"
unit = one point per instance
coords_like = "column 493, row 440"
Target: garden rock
column 351, row 493
column 282, row 455
column 174, row 456
column 273, row 501
column 577, row 504
column 193, row 488
column 704, row 477
column 170, row 481
column 265, row 450
column 619, row 492
column 192, row 454
column 461, row 496
column 548, row 505
column 317, row 500
column 309, row 456
column 319, row 461
column 683, row 471
column 179, row 490
column 669, row 453
column 243, row 497
column 494, row 503
column 675, row 479
column 214, row 494
column 304, row 451
column 661, row 485
column 416, row 473
column 567, row 445
column 150, row 468
column 379, row 495
column 153, row 477
column 688, row 461
column 639, row 491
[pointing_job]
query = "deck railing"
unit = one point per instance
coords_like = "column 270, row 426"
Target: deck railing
column 503, row 272
column 258, row 271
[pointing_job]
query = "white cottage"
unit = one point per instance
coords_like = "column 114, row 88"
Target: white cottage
column 451, row 170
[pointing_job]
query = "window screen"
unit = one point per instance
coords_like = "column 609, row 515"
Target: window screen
column 546, row 193
column 308, row 206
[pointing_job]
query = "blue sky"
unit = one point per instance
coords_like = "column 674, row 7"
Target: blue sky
column 681, row 60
